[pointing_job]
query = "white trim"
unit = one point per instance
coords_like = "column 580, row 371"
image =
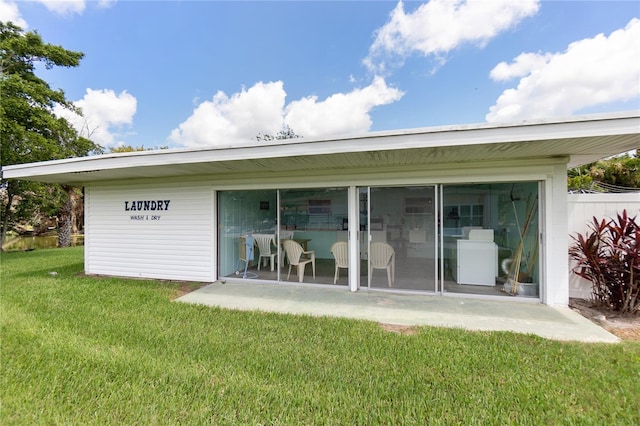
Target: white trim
column 621, row 130
column 556, row 269
column 354, row 235
column 87, row 227
column 214, row 242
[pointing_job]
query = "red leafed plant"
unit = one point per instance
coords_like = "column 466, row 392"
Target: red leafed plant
column 608, row 256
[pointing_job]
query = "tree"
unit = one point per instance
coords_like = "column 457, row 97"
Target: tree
column 29, row 130
column 129, row 148
column 615, row 172
column 286, row 133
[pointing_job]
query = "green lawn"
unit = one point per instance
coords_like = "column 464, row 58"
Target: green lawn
column 88, row 350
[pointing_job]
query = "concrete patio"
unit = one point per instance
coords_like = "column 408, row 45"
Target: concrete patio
column 558, row 323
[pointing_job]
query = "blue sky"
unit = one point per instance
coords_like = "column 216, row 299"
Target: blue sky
column 211, row 73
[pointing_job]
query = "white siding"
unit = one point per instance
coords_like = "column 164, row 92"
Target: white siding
column 554, row 239
column 175, row 243
column 582, row 209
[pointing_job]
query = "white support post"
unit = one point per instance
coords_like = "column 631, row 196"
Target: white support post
column 354, row 234
column 555, row 238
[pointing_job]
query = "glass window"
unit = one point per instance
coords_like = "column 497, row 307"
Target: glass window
column 398, row 246
column 242, row 214
column 316, row 219
column 490, row 238
column 313, row 218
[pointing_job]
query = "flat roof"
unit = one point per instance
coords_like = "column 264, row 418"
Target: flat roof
column 578, row 140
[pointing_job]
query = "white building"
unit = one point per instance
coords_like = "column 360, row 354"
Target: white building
column 458, row 209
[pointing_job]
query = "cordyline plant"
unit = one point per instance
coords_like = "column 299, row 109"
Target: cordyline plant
column 608, row 256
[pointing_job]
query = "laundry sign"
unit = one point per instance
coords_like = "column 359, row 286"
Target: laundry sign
column 146, row 206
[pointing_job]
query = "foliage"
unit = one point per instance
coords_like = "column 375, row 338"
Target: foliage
column 39, row 201
column 609, row 257
column 29, row 130
column 129, row 148
column 286, row 133
column 579, row 179
column 623, row 171
column 155, row 361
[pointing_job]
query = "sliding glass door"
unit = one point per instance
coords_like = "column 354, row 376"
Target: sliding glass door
column 461, row 238
column 314, row 220
column 284, row 235
column 243, row 216
column 398, row 237
column 491, row 239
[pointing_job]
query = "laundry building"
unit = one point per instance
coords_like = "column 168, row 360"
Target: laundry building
column 474, row 210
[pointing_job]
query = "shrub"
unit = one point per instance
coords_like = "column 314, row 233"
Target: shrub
column 608, row 256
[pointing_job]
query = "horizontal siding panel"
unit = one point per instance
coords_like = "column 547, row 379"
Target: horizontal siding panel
column 191, row 228
column 153, row 258
column 174, row 235
column 147, row 243
column 178, row 240
column 188, row 275
column 178, row 245
column 145, row 259
column 180, row 276
column 185, row 254
column 192, row 223
column 151, row 268
column 146, row 268
column 120, row 213
column 136, row 248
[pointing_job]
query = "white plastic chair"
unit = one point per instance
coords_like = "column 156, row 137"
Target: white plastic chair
column 285, row 235
column 264, row 242
column 340, row 251
column 382, row 256
column 294, row 254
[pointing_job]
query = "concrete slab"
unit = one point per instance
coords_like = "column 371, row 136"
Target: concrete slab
column 558, row 323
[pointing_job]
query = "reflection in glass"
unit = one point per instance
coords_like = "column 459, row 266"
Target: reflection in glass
column 490, row 238
column 398, row 242
column 242, row 213
column 315, row 218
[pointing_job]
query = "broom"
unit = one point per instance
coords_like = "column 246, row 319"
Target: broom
column 514, row 270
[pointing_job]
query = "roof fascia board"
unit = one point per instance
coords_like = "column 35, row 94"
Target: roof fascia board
column 581, row 127
column 535, row 169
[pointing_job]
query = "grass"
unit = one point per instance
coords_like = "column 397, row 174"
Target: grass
column 88, row 350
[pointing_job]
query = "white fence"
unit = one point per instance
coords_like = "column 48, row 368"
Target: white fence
column 581, row 210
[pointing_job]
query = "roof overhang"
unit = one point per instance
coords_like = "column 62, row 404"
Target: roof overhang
column 577, row 140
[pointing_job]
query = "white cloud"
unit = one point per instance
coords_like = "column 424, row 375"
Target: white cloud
column 437, row 27
column 105, row 4
column 64, row 7
column 9, row 12
column 591, row 72
column 340, row 114
column 522, row 65
column 105, row 113
column 236, row 120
